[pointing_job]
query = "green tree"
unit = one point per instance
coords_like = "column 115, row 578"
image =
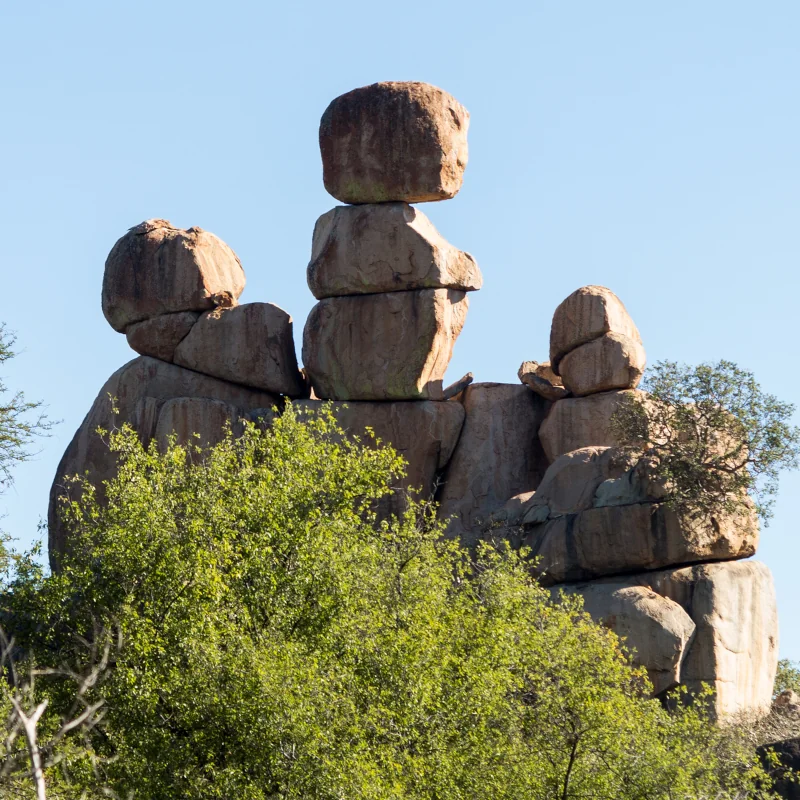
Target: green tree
column 279, row 642
column 712, row 436
column 787, row 676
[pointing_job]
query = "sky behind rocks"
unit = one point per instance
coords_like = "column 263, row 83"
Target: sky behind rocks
column 654, row 150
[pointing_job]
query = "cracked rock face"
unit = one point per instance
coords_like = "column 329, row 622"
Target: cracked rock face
column 394, row 141
column 251, row 344
column 157, row 269
column 614, row 361
column 393, row 346
column 587, row 314
column 497, row 457
column 384, row 247
column 159, row 336
column 143, row 389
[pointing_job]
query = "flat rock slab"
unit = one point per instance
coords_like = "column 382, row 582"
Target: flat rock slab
column 577, row 422
column 615, row 540
column 425, row 433
column 656, row 630
column 159, row 336
column 393, row 346
column 141, row 388
column 251, row 344
column 384, row 247
column 541, row 379
column 403, row 141
column 587, row 314
column 611, row 362
column 156, row 268
column 498, row 456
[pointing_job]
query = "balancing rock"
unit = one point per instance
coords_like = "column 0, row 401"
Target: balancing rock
column 157, row 269
column 384, row 247
column 403, row 141
column 614, row 361
column 587, row 314
column 393, row 346
column 251, row 344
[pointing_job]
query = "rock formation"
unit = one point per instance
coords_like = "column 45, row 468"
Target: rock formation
column 539, row 461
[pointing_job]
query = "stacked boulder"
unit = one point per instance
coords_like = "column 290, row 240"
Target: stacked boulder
column 205, row 361
column 392, row 292
column 598, row 524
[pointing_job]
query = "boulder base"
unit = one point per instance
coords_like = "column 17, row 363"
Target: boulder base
column 157, row 269
column 141, row 388
column 393, row 346
column 251, row 344
column 384, row 247
column 394, row 141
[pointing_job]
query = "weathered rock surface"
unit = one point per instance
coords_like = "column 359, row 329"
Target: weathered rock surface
column 569, row 485
column 159, row 336
column 614, row 540
column 393, row 346
column 577, row 422
column 140, row 388
column 403, row 141
column 657, row 629
column 497, row 457
column 157, row 269
column 613, row 361
column 251, row 344
column 425, row 433
column 385, row 247
column 587, row 314
column 542, row 380
column 196, row 421
column 735, row 648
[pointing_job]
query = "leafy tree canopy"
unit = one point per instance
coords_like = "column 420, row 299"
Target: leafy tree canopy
column 280, row 642
column 713, row 436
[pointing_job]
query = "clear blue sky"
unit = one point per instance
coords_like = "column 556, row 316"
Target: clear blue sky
column 652, row 148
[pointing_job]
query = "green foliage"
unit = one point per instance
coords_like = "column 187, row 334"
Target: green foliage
column 787, row 676
column 713, row 436
column 20, row 420
column 278, row 642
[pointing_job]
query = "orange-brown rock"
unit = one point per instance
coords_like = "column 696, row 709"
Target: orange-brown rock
column 251, row 344
column 541, row 379
column 384, row 247
column 393, row 346
column 425, row 433
column 613, row 540
column 159, row 336
column 156, row 268
column 389, row 141
column 614, row 361
column 587, row 314
column 140, row 390
column 497, row 457
column 577, row 422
